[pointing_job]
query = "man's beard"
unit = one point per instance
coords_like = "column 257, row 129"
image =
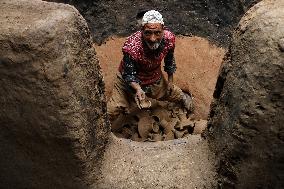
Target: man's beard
column 153, row 46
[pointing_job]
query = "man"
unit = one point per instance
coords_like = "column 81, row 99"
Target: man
column 140, row 73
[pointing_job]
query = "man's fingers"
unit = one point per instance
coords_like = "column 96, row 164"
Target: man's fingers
column 137, row 100
column 143, row 96
column 140, row 96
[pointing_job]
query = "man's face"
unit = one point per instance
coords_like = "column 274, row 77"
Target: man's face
column 152, row 35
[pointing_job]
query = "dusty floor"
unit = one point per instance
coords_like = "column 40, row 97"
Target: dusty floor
column 184, row 163
column 176, row 164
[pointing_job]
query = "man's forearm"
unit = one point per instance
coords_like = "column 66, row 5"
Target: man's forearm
column 135, row 86
column 170, row 78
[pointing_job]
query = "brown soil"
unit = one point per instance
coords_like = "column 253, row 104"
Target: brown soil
column 181, row 164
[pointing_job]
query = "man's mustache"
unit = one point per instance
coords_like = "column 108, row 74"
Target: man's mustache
column 153, row 45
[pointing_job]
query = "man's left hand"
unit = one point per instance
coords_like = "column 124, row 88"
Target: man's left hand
column 170, row 87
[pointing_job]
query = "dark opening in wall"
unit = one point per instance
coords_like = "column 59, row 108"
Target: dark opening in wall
column 212, row 19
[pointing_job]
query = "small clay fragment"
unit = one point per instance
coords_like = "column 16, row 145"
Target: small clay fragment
column 169, row 136
column 153, row 137
column 179, row 134
column 145, row 126
column 168, row 126
column 200, row 126
column 161, row 113
column 155, row 127
column 126, row 132
column 143, row 104
column 136, row 137
column 118, row 123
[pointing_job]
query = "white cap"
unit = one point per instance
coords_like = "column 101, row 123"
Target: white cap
column 153, row 17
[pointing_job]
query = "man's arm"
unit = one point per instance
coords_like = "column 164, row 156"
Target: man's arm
column 170, row 78
column 170, row 65
column 129, row 76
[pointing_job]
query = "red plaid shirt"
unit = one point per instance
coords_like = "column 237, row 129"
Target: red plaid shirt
column 147, row 68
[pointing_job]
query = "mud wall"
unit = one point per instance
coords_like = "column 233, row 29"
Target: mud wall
column 246, row 127
column 52, row 107
column 212, row 19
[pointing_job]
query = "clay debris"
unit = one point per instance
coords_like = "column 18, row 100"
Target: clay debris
column 162, row 121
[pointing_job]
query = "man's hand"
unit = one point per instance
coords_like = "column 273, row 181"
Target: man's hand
column 140, row 94
column 170, row 87
column 139, row 97
column 170, row 78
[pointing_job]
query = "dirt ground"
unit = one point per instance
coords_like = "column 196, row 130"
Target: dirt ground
column 184, row 163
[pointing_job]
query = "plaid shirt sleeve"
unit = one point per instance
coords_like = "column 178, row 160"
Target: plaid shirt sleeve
column 170, row 64
column 130, row 70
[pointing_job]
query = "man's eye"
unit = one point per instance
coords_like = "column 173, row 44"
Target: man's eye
column 158, row 32
column 147, row 32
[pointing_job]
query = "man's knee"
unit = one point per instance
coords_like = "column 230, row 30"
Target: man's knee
column 172, row 93
column 114, row 109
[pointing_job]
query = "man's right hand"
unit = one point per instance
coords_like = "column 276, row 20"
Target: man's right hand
column 139, row 97
column 170, row 87
column 140, row 94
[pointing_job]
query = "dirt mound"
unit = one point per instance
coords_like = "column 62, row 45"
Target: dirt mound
column 212, row 19
column 53, row 129
column 246, row 121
